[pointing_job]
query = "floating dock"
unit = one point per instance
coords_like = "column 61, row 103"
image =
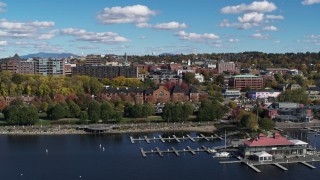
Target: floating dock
column 188, row 149
column 308, row 165
column 175, row 138
column 277, row 163
column 281, row 167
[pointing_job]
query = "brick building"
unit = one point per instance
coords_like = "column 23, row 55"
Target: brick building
column 244, row 81
column 17, row 65
column 231, row 67
column 106, row 71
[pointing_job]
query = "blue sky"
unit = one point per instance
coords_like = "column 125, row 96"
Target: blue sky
column 158, row 26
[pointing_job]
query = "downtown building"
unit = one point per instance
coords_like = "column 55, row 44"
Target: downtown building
column 17, row 65
column 230, row 67
column 106, row 71
column 46, row 67
column 246, row 81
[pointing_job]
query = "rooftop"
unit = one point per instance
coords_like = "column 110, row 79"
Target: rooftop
column 263, row 140
column 245, row 76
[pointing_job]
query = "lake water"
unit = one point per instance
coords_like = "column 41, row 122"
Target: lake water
column 72, row 156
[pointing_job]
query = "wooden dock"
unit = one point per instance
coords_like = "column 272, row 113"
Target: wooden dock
column 277, row 163
column 177, row 152
column 191, row 150
column 174, row 137
column 307, row 164
column 281, row 167
column 252, row 167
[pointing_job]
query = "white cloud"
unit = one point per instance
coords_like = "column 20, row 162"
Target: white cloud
column 313, row 41
column 256, row 6
column 3, row 43
column 242, row 26
column 143, row 25
column 313, row 36
column 252, row 17
column 233, row 40
column 277, row 42
column 2, row 6
column 274, row 17
column 34, row 29
column 196, row 37
column 101, row 37
column 88, row 47
column 40, row 46
column 310, row 2
column 48, row 35
column 227, row 23
column 128, row 14
column 170, row 25
column 259, row 36
column 163, row 26
column 270, row 28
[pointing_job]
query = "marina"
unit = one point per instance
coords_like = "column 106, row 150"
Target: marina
column 277, row 163
column 175, row 138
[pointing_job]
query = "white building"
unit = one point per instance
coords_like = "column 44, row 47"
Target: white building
column 199, row 77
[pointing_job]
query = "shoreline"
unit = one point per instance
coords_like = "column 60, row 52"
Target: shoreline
column 145, row 128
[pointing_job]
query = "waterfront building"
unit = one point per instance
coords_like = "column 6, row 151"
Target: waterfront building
column 285, row 112
column 246, row 81
column 276, row 145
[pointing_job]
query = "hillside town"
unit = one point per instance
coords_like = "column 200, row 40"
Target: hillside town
column 253, row 89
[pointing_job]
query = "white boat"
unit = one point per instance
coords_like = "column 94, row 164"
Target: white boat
column 223, row 154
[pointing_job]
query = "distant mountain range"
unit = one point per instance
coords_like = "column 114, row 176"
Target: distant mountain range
column 49, row 55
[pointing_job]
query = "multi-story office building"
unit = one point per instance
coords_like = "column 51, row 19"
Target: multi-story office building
column 106, row 71
column 246, row 81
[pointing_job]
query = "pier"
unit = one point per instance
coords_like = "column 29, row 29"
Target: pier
column 175, row 138
column 308, row 165
column 188, row 149
column 277, row 163
column 281, row 167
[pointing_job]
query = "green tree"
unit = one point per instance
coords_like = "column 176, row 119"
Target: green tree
column 11, row 114
column 249, row 120
column 94, row 111
column 83, row 116
column 57, row 112
column 167, row 112
column 147, row 110
column 187, row 110
column 74, row 109
column 211, row 110
column 266, row 123
column 106, row 111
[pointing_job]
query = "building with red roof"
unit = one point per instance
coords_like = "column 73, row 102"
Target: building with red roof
column 275, row 145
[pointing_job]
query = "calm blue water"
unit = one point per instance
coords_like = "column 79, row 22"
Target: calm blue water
column 72, row 156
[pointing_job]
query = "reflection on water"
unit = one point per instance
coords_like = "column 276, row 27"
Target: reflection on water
column 71, row 156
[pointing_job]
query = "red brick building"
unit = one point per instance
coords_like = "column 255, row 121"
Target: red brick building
column 244, row 81
column 17, row 65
